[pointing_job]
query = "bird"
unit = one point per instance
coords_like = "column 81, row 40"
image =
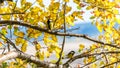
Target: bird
column 69, row 55
column 48, row 24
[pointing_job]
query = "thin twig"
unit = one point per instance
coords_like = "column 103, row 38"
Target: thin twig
column 8, row 46
column 72, row 29
column 3, row 50
column 11, row 19
column 12, row 13
column 63, row 44
column 15, row 5
column 10, row 42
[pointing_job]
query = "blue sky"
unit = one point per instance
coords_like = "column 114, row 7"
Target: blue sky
column 86, row 28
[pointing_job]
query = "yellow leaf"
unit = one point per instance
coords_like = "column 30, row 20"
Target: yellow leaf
column 85, row 61
column 24, row 47
column 4, row 31
column 101, row 63
column 37, row 46
column 68, row 9
column 93, row 46
column 57, row 55
column 80, row 17
column 23, row 2
column 70, row 20
column 118, row 66
column 115, row 11
column 50, row 50
column 99, row 26
column 40, row 3
column 113, row 59
column 97, row 13
column 54, row 38
column 117, row 20
column 11, row 65
column 94, row 65
column 0, row 43
column 40, row 55
column 20, row 34
column 66, row 0
column 89, row 7
column 81, row 47
column 53, row 61
column 19, row 61
column 58, row 50
column 19, row 41
column 47, row 54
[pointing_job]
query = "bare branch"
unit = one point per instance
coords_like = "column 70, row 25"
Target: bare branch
column 56, row 33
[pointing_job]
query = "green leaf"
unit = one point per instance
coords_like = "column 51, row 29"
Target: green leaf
column 79, row 7
column 9, row 27
column 4, row 65
column 92, row 17
column 4, row 31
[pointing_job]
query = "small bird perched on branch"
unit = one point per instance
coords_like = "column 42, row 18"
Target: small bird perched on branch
column 1, row 1
column 48, row 24
column 69, row 55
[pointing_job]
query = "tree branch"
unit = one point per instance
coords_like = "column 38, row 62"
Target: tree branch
column 10, row 42
column 11, row 13
column 24, row 56
column 56, row 33
column 110, row 64
column 87, row 55
column 63, row 44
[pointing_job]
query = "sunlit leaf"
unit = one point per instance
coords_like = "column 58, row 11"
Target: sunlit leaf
column 37, row 46
column 115, row 11
column 54, row 38
column 20, row 34
column 99, row 26
column 47, row 54
column 117, row 20
column 24, row 47
column 94, row 65
column 66, row 0
column 70, row 20
column 0, row 44
column 81, row 47
column 89, row 7
column 101, row 63
column 4, row 31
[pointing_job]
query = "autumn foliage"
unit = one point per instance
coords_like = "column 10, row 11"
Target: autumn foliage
column 40, row 24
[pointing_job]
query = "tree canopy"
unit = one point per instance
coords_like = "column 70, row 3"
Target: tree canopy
column 40, row 24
